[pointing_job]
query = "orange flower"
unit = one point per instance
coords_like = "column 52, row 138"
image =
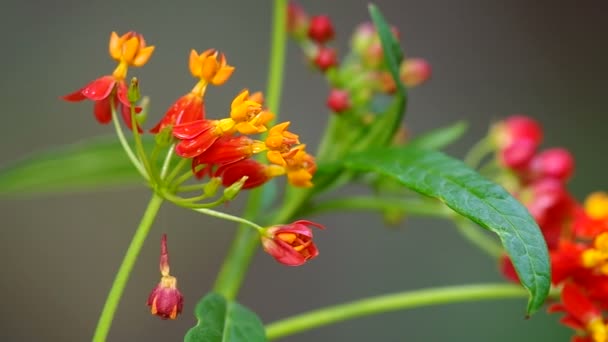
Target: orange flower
column 291, row 244
column 280, row 141
column 300, row 167
column 128, row 50
column 206, row 66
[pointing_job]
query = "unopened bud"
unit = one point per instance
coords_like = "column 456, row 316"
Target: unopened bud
column 210, row 189
column 297, row 21
column 164, row 138
column 320, row 29
column 234, row 189
column 325, row 58
column 414, row 71
column 338, row 100
column 133, row 93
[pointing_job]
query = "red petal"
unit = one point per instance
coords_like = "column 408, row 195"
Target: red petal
column 192, row 129
column 233, row 172
column 103, row 111
column 578, row 304
column 99, row 89
column 75, row 96
column 194, row 147
column 125, row 112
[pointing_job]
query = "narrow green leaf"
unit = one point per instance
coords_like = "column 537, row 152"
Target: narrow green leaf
column 393, row 55
column 437, row 175
column 87, row 165
column 440, row 137
column 223, row 321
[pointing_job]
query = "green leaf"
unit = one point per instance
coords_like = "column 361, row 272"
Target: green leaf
column 393, row 55
column 440, row 137
column 87, row 165
column 220, row 320
column 437, row 175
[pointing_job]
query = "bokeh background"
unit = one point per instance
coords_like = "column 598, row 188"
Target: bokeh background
column 490, row 59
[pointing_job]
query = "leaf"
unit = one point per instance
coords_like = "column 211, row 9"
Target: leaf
column 440, row 137
column 87, row 165
column 437, row 175
column 393, row 55
column 220, row 320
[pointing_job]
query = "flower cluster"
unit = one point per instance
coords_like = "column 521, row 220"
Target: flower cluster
column 576, row 234
column 219, row 148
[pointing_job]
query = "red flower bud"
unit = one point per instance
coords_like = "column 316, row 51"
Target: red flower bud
column 297, row 20
column 320, row 29
column 338, row 100
column 518, row 154
column 165, row 301
column 555, row 162
column 325, row 58
column 517, row 127
column 414, row 71
column 291, row 244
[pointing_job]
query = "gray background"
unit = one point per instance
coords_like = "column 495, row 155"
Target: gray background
column 490, row 59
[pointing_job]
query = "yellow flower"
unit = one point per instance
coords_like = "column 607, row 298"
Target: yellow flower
column 128, row 50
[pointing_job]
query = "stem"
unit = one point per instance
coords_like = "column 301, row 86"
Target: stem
column 122, row 276
column 139, row 146
column 239, row 256
column 409, row 206
column 180, row 165
column 167, row 162
column 478, row 238
column 125, row 143
column 229, row 217
column 391, row 302
column 478, row 152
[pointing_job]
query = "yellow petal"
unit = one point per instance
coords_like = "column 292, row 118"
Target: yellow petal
column 222, row 75
column 275, row 157
column 244, row 94
column 596, row 205
column 194, row 65
column 209, row 68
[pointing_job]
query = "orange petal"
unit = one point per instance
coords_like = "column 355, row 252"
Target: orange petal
column 115, row 45
column 194, row 64
column 244, row 94
column 222, row 75
column 275, row 157
column 129, row 49
column 143, row 56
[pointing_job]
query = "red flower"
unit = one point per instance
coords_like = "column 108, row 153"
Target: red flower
column 320, row 29
column 187, row 108
column 226, row 150
column 291, row 244
column 165, row 300
column 325, row 58
column 338, row 100
column 100, row 92
column 581, row 314
column 257, row 173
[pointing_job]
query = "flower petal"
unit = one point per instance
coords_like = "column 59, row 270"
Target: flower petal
column 103, row 111
column 192, row 129
column 99, row 89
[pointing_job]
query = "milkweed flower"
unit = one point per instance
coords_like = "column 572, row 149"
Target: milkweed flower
column 291, row 244
column 165, row 301
column 210, row 67
column 130, row 49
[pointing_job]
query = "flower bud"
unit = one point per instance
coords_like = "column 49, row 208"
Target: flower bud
column 517, row 155
column 234, row 189
column 320, row 29
column 514, row 128
column 363, row 37
column 212, row 185
column 555, row 163
column 325, row 58
column 297, row 21
column 164, row 138
column 133, row 93
column 414, row 71
column 338, row 100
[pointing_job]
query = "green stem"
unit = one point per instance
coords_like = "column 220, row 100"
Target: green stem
column 122, row 276
column 478, row 237
column 357, row 203
column 167, row 162
column 478, row 152
column 180, row 165
column 139, row 146
column 239, row 256
column 125, row 143
column 229, row 217
column 391, row 302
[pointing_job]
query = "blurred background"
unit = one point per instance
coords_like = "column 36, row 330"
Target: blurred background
column 490, row 59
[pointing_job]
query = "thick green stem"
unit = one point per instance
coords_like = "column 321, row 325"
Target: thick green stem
column 391, row 302
column 122, row 276
column 237, row 262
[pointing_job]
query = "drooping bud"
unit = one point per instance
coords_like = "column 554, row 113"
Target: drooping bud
column 320, row 29
column 165, row 301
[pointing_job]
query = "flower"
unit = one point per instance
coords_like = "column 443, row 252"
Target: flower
column 338, row 100
column 256, row 173
column 325, row 58
column 190, row 107
column 246, row 117
column 414, row 71
column 130, row 49
column 300, row 167
column 581, row 314
column 165, row 300
column 279, row 142
column 291, row 244
column 226, row 150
